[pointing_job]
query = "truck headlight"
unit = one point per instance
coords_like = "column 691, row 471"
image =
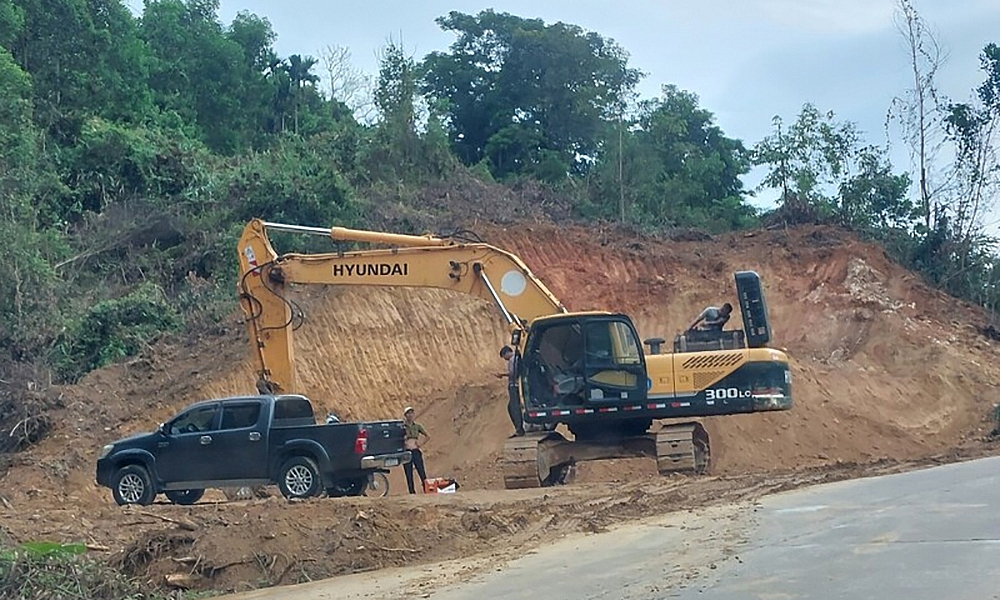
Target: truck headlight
column 106, row 450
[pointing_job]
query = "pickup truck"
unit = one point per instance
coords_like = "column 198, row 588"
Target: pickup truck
column 249, row 441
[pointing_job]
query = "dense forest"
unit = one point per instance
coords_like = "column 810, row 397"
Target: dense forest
column 133, row 148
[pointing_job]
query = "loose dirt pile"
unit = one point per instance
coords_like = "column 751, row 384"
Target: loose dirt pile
column 885, row 372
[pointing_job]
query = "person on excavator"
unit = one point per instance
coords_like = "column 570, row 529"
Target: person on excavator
column 513, row 398
column 712, row 318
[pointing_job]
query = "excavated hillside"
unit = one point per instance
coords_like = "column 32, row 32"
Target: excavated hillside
column 885, row 371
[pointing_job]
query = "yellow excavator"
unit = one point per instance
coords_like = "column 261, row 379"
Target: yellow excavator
column 586, row 370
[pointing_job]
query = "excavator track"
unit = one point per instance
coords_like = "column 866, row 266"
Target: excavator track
column 682, row 448
column 521, row 467
column 539, row 459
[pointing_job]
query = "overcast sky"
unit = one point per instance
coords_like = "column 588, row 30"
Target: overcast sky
column 747, row 60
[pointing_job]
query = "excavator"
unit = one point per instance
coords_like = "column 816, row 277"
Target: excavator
column 585, row 370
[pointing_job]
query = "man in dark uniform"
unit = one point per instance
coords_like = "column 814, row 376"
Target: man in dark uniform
column 513, row 398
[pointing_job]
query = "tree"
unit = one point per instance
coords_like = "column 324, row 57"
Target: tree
column 875, row 199
column 84, row 56
column 822, row 171
column 11, row 22
column 300, row 75
column 972, row 128
column 917, row 111
column 812, row 154
column 526, row 96
column 672, row 167
column 349, row 85
column 199, row 73
column 28, row 303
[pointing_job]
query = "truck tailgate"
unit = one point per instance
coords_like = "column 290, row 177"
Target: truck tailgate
column 384, row 437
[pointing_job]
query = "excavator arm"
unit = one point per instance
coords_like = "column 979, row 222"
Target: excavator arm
column 426, row 261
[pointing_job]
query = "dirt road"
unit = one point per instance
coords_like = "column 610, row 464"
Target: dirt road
column 925, row 534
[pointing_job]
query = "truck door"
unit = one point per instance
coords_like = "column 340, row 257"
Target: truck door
column 238, row 449
column 179, row 454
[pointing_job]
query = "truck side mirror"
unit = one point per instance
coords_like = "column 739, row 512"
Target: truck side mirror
column 162, row 428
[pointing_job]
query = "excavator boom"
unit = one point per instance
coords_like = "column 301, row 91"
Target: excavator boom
column 477, row 269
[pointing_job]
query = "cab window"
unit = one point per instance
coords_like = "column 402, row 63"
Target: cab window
column 196, row 420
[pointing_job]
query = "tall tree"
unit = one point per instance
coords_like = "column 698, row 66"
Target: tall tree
column 918, row 110
column 673, row 167
column 300, row 77
column 526, row 96
column 972, row 129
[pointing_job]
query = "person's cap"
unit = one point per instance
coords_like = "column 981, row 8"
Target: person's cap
column 407, row 409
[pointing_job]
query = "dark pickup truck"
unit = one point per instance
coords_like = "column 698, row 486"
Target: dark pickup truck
column 248, row 441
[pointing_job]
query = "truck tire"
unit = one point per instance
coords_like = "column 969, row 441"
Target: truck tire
column 299, row 478
column 132, row 485
column 184, row 497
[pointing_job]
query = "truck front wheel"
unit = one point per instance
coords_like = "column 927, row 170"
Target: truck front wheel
column 132, row 485
column 299, row 478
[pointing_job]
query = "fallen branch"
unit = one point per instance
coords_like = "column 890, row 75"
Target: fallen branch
column 98, row 548
column 182, row 523
column 5, row 503
column 385, row 549
column 211, row 571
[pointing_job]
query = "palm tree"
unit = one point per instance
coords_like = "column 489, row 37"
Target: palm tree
column 298, row 69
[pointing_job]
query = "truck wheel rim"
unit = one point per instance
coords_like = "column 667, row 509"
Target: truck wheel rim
column 299, row 480
column 131, row 488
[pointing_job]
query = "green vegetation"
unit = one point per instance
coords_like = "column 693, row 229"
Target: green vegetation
column 52, row 570
column 133, row 149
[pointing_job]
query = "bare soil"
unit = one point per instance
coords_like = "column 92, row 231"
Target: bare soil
column 888, row 374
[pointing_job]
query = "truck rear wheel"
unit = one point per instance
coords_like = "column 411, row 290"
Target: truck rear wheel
column 184, row 497
column 132, row 485
column 299, row 478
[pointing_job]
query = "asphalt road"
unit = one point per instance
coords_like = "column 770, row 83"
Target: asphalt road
column 931, row 534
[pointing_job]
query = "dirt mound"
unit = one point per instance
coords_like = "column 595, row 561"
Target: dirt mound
column 884, row 370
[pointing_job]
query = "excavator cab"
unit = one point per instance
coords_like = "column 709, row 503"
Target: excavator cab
column 582, row 360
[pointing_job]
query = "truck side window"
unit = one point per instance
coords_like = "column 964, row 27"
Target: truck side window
column 195, row 420
column 240, row 416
